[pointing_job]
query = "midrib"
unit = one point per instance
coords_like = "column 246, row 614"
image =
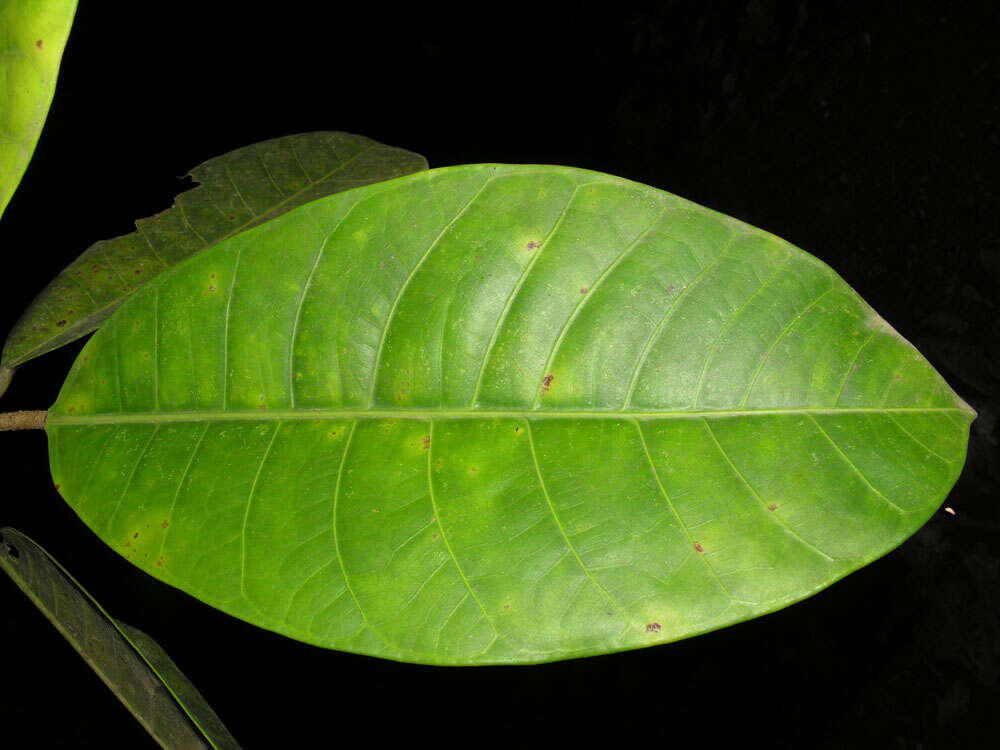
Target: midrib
column 268, row 415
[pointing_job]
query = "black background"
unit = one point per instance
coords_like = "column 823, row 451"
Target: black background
column 867, row 134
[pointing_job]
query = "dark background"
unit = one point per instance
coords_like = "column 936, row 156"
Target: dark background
column 867, row 134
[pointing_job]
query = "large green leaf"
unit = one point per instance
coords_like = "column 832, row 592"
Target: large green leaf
column 238, row 190
column 502, row 414
column 135, row 667
column 33, row 35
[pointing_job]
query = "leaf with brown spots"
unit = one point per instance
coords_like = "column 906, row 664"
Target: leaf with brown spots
column 603, row 471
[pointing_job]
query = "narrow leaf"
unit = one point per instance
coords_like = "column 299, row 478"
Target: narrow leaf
column 493, row 414
column 129, row 662
column 236, row 191
column 33, row 34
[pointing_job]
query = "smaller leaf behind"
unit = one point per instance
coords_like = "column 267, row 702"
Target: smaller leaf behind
column 236, row 191
column 129, row 662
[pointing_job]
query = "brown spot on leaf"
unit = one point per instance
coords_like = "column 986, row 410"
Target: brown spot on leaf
column 475, row 468
column 670, row 289
column 135, row 535
column 57, row 486
column 426, row 442
column 653, row 627
column 376, row 510
column 381, row 266
column 506, row 606
column 583, row 290
column 533, row 245
column 698, row 547
column 211, row 287
column 772, row 506
column 38, row 44
column 61, row 323
column 138, row 271
column 546, row 382
column 160, row 562
column 165, row 523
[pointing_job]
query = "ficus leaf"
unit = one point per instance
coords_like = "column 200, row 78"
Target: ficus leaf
column 236, row 191
column 134, row 666
column 33, row 35
column 492, row 414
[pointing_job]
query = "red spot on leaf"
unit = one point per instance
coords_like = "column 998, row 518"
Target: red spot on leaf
column 38, row 44
column 698, row 547
column 772, row 506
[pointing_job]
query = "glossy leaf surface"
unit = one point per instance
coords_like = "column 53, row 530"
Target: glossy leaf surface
column 33, row 35
column 496, row 414
column 132, row 664
column 236, row 191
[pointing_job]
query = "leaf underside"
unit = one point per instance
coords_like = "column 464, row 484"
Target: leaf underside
column 134, row 666
column 236, row 191
column 33, row 35
column 492, row 414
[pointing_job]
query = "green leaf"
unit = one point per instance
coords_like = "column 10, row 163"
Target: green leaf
column 237, row 190
column 33, row 34
column 132, row 664
column 493, row 414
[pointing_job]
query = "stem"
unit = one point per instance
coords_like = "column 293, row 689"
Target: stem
column 6, row 373
column 22, row 420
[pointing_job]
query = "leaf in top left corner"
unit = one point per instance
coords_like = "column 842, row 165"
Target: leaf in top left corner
column 33, row 34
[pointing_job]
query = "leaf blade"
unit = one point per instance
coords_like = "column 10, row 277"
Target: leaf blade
column 236, row 191
column 33, row 34
column 134, row 666
column 471, row 451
